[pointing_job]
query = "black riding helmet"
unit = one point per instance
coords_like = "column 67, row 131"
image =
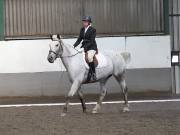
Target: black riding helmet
column 87, row 18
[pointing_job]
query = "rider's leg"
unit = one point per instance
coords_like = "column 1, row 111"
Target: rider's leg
column 89, row 74
column 92, row 65
column 91, row 54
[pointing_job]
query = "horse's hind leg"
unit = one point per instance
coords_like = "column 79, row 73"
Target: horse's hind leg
column 102, row 95
column 122, row 82
column 81, row 97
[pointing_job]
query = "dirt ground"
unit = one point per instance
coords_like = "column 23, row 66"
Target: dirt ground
column 143, row 119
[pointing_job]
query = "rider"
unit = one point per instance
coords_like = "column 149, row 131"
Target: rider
column 88, row 34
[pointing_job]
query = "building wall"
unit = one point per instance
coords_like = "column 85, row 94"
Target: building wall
column 25, row 71
column 19, row 56
column 39, row 18
column 56, row 83
column 1, row 20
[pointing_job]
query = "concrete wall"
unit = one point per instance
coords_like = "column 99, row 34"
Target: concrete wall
column 21, row 56
column 57, row 83
column 25, row 71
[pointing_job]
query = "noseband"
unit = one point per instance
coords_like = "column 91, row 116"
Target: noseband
column 50, row 51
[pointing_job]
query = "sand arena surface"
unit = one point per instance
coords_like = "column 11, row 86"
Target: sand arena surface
column 143, row 119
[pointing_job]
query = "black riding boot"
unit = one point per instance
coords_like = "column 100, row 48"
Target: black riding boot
column 89, row 75
column 92, row 66
column 92, row 72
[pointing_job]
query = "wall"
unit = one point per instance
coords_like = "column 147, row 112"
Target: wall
column 31, row 55
column 1, row 20
column 42, row 17
column 25, row 71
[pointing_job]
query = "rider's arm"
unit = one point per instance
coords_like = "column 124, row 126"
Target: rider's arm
column 79, row 39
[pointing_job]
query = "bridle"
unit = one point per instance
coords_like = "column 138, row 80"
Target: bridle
column 51, row 51
column 60, row 56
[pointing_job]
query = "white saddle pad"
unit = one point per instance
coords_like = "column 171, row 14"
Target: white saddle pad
column 102, row 62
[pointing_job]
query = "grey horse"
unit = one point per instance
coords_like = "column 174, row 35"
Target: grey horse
column 77, row 71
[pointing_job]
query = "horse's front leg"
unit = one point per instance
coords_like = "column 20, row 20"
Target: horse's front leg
column 75, row 86
column 81, row 97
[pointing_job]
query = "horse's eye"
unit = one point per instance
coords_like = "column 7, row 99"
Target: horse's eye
column 57, row 45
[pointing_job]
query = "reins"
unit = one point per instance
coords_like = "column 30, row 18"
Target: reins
column 68, row 55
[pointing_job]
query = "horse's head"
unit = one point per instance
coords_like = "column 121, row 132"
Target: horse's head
column 56, row 49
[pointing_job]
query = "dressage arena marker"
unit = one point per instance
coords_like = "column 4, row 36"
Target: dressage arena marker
column 89, row 103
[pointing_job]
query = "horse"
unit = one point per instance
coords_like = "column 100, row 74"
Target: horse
column 73, row 61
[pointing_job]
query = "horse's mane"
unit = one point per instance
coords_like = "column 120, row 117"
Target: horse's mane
column 68, row 47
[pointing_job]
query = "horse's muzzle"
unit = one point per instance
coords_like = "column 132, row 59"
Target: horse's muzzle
column 50, row 59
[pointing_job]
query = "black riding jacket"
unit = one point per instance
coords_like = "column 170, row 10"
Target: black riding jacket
column 89, row 42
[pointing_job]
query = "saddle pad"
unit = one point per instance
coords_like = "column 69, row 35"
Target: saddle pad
column 102, row 62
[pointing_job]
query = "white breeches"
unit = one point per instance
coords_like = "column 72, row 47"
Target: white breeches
column 91, row 54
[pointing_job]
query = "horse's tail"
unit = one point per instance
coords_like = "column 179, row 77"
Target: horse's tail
column 126, row 56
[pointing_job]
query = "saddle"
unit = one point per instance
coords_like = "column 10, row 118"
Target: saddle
column 95, row 60
column 99, row 60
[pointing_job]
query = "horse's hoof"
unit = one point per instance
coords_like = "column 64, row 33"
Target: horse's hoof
column 94, row 111
column 63, row 114
column 126, row 109
column 84, row 111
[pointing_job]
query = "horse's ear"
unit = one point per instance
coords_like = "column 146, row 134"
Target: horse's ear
column 51, row 36
column 58, row 36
